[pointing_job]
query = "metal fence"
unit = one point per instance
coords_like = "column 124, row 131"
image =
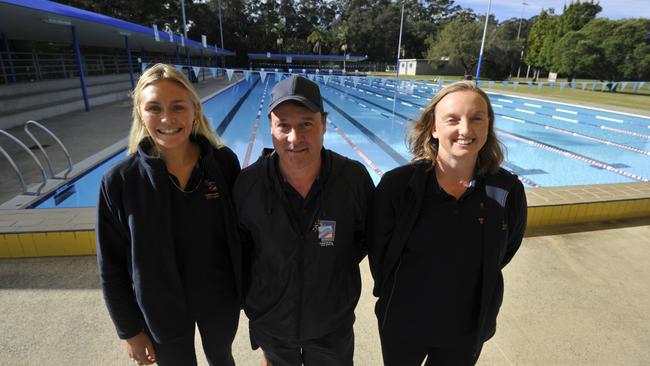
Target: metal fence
column 33, row 66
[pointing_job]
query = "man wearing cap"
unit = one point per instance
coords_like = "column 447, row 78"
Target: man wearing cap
column 302, row 210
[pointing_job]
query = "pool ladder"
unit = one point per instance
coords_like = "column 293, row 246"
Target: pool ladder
column 31, row 154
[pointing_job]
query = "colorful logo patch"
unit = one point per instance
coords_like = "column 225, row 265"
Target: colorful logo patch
column 326, row 232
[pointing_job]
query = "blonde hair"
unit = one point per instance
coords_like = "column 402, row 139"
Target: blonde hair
column 158, row 72
column 424, row 146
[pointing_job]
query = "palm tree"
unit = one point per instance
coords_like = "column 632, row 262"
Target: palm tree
column 317, row 38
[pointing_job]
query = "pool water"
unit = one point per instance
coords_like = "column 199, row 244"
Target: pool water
column 547, row 144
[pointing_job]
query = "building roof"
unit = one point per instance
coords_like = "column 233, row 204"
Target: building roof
column 41, row 20
column 299, row 57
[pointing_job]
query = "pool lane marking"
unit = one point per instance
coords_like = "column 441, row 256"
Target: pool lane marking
column 350, row 98
column 385, row 96
column 371, row 102
column 504, row 100
column 497, row 105
column 256, row 125
column 626, row 132
column 532, row 105
column 606, row 142
column 374, row 138
column 569, row 154
column 570, row 105
column 524, row 111
column 359, row 152
column 529, row 182
column 514, row 119
column 228, row 118
column 565, row 119
column 610, row 119
column 577, row 134
column 565, row 111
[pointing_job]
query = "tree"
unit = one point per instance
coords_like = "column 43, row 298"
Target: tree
column 577, row 15
column 568, row 51
column 458, row 42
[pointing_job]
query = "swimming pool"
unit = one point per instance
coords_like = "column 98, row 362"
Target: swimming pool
column 548, row 144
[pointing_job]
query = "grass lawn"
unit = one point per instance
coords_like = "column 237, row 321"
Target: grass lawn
column 625, row 101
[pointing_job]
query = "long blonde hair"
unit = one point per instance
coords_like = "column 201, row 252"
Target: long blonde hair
column 156, row 73
column 424, row 146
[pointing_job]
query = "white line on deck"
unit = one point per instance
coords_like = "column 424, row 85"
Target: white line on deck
column 524, row 111
column 610, row 119
column 565, row 119
column 533, row 105
column 565, row 111
column 514, row 119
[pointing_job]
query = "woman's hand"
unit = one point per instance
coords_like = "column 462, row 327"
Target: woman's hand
column 140, row 349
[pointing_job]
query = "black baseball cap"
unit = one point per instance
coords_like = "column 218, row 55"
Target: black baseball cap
column 298, row 89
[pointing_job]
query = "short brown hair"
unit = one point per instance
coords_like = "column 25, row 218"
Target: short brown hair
column 424, row 146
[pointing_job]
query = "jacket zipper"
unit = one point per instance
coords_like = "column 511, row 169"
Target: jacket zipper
column 301, row 271
column 390, row 297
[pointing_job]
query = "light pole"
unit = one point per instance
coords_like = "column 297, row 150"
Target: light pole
column 480, row 55
column 399, row 44
column 187, row 48
column 223, row 58
column 344, row 48
column 521, row 56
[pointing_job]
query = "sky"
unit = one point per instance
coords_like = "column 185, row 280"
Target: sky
column 506, row 9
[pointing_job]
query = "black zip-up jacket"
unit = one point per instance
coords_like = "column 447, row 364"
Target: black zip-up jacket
column 135, row 249
column 301, row 287
column 396, row 207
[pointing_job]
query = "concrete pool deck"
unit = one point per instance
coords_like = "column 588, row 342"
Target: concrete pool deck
column 578, row 298
column 576, row 294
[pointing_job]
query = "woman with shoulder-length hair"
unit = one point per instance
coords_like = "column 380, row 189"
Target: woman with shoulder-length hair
column 167, row 243
column 440, row 230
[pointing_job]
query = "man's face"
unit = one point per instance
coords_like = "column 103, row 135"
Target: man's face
column 297, row 137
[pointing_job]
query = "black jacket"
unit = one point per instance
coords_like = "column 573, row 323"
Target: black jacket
column 300, row 287
column 395, row 209
column 135, row 249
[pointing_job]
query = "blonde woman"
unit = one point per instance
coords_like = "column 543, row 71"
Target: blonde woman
column 441, row 229
column 167, row 244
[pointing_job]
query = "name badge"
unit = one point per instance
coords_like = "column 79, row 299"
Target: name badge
column 326, row 232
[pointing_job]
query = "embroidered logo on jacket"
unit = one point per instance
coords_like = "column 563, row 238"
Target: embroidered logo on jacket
column 326, row 232
column 212, row 190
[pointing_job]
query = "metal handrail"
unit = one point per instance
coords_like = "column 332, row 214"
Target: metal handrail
column 47, row 158
column 13, row 165
column 38, row 190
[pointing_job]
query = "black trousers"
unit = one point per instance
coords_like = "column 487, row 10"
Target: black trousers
column 334, row 349
column 217, row 334
column 407, row 349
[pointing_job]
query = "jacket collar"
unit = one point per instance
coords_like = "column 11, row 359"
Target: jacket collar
column 155, row 163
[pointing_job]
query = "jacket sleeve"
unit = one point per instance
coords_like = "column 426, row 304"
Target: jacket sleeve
column 380, row 225
column 516, row 213
column 364, row 197
column 230, row 165
column 113, row 259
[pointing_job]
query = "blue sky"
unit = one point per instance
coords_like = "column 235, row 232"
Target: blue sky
column 506, row 9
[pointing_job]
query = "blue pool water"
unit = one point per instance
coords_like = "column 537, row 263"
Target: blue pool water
column 548, row 144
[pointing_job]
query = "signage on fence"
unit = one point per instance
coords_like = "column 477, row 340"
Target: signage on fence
column 552, row 76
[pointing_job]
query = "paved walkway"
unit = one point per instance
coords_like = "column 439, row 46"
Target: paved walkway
column 579, row 298
column 83, row 134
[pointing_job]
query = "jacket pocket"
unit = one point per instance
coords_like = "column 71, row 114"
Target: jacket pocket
column 388, row 297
